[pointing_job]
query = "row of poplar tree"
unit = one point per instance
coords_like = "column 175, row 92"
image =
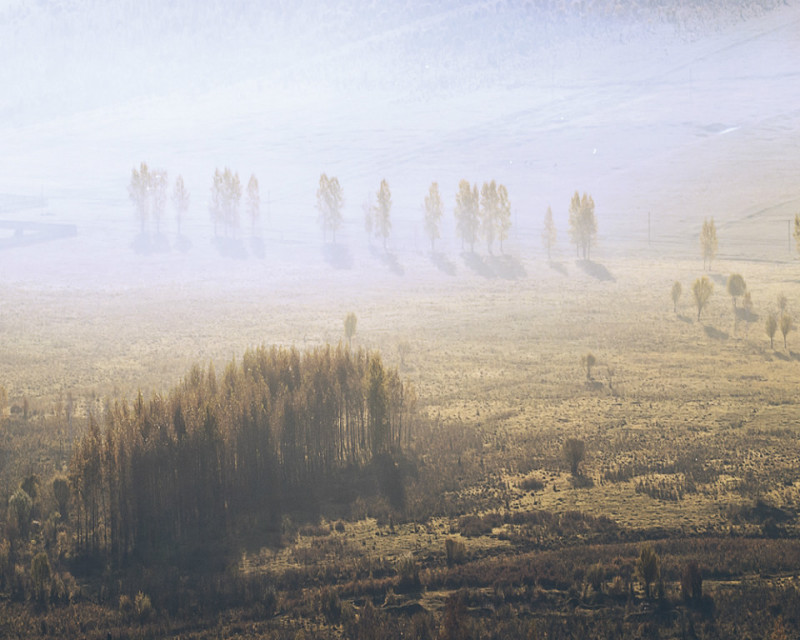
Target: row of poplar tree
column 213, row 455
column 480, row 214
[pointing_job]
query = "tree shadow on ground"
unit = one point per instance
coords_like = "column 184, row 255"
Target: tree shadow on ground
column 145, row 245
column 684, row 318
column 781, row 356
column 390, row 260
column 744, row 314
column 443, row 263
column 718, row 278
column 230, row 248
column 506, row 267
column 183, row 244
column 257, row 247
column 337, row 256
column 714, row 333
column 581, row 481
column 559, row 267
column 596, row 270
column 477, row 264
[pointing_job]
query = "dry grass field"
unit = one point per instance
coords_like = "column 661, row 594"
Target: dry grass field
column 690, row 432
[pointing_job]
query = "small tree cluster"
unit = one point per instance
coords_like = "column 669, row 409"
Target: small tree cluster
column 467, row 213
column 495, row 214
column 582, row 224
column 573, row 451
column 148, row 192
column 226, row 192
column 330, row 201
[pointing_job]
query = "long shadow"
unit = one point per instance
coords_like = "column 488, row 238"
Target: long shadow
column 183, row 244
column 744, row 314
column 684, row 318
column 146, row 245
column 507, row 267
column 26, row 233
column 443, row 263
column 596, row 270
column 231, row 248
column 559, row 267
column 718, row 278
column 337, row 256
column 781, row 356
column 478, row 264
column 257, row 247
column 713, row 332
column 390, row 260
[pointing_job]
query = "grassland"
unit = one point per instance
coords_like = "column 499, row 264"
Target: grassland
column 690, row 431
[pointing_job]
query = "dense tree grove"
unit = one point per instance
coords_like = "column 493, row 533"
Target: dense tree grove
column 213, row 455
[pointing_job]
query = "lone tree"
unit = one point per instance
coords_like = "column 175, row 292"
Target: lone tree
column 736, row 287
column 676, row 292
column 797, row 231
column 329, row 204
column 582, row 224
column 253, row 202
column 573, row 451
column 549, row 233
column 702, row 290
column 771, row 326
column 648, row 567
column 692, row 582
column 350, row 322
column 467, row 213
column 433, row 213
column 786, row 325
column 180, row 200
column 588, row 361
column 708, row 242
column 383, row 221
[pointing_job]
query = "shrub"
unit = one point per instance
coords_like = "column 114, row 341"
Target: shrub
column 573, row 451
column 648, row 567
column 531, row 483
column 692, row 582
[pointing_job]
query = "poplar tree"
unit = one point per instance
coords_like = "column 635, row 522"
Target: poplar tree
column 708, row 242
column 582, row 224
column 180, row 200
column 383, row 208
column 433, row 213
column 549, row 233
column 467, row 213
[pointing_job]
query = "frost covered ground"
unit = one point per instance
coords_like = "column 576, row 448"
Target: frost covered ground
column 678, row 122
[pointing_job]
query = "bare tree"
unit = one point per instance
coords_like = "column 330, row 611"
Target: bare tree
column 549, row 233
column 771, row 326
column 708, row 242
column 702, row 290
column 677, row 289
column 433, row 213
column 180, row 200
